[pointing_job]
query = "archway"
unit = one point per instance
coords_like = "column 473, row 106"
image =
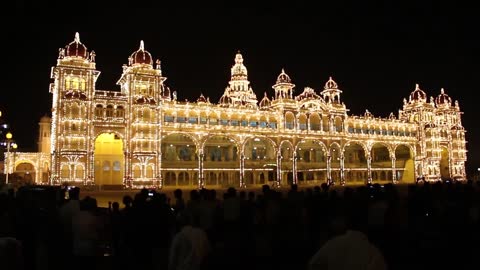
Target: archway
column 286, row 166
column 221, row 155
column 259, row 157
column 381, row 161
column 109, row 160
column 355, row 163
column 180, row 157
column 335, row 153
column 24, row 172
column 404, row 165
column 311, row 162
column 445, row 164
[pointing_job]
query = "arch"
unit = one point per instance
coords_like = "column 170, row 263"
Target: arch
column 302, row 121
column 213, row 118
column 25, row 171
column 183, row 179
column 272, row 122
column 381, row 159
column 224, row 119
column 355, row 160
column 445, row 163
column 65, row 171
column 338, row 124
column 289, row 120
column 99, row 112
column 286, row 167
column 311, row 159
column 315, row 121
column 79, row 172
column 170, row 179
column 260, row 155
column 149, row 170
column 108, row 149
column 325, row 123
column 203, row 118
column 220, row 153
column 179, row 154
column 120, row 112
column 263, row 122
column 74, row 110
column 109, row 111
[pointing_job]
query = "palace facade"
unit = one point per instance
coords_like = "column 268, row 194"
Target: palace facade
column 143, row 136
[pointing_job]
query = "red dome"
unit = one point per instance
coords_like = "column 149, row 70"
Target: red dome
column 201, row 99
column 141, row 56
column 76, row 48
column 265, row 102
column 443, row 99
column 418, row 94
column 283, row 78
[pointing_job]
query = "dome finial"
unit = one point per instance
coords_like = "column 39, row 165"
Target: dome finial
column 442, row 91
column 142, row 48
column 77, row 37
column 417, row 86
column 283, row 70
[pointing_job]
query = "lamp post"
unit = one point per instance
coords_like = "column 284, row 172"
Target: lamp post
column 7, row 164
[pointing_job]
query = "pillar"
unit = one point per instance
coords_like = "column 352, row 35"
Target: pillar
column 369, row 169
column 394, row 171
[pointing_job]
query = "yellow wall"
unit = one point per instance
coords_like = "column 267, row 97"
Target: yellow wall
column 108, row 160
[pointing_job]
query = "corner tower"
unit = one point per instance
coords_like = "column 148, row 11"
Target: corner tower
column 143, row 84
column 73, row 88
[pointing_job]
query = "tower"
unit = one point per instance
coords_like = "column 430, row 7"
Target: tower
column 451, row 137
column 143, row 86
column 44, row 136
column 331, row 93
column 73, row 88
column 239, row 93
column 283, row 87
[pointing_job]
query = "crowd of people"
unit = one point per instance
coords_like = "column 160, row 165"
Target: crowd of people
column 425, row 226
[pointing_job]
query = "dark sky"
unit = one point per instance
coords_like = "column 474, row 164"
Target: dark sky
column 375, row 51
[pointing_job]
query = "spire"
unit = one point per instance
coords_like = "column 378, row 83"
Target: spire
column 238, row 58
column 239, row 71
column 77, row 37
column 141, row 46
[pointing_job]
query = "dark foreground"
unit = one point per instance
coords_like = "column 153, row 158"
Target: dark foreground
column 431, row 226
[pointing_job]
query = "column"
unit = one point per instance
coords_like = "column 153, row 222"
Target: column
column 294, row 167
column 242, row 169
column 201, row 182
column 279, row 168
column 394, row 171
column 369, row 169
column 342, row 169
column 329, row 169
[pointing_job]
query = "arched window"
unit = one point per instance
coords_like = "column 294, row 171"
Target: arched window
column 109, row 111
column 289, row 120
column 99, row 111
column 120, row 112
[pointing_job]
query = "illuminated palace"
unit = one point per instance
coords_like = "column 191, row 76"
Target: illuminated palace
column 143, row 136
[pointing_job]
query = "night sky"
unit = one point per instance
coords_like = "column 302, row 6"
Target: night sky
column 375, row 51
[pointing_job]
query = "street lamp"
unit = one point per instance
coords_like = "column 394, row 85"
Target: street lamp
column 7, row 164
